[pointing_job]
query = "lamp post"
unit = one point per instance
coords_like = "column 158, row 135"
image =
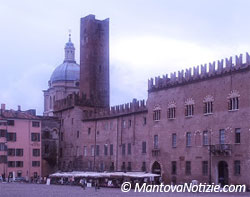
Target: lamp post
column 210, row 157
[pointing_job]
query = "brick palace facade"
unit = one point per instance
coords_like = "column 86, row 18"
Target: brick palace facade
column 193, row 125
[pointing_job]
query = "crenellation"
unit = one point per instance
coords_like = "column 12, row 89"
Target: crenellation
column 196, row 72
column 203, row 70
column 180, row 76
column 173, row 77
column 220, row 66
column 247, row 59
column 211, row 68
column 229, row 64
column 238, row 61
column 188, row 74
column 164, row 80
column 199, row 72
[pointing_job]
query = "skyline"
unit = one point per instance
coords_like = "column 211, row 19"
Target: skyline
column 189, row 34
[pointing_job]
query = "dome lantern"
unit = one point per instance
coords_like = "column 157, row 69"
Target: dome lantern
column 69, row 51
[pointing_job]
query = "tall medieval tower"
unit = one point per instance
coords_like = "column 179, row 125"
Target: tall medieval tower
column 94, row 61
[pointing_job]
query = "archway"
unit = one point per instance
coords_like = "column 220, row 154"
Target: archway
column 156, row 168
column 223, row 173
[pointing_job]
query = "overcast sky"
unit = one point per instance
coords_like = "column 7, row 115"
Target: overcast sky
column 147, row 38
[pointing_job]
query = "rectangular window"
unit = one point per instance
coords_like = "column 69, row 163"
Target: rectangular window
column 174, row 140
column 129, row 148
column 35, row 137
column 11, row 122
column 157, row 115
column 129, row 123
column 205, row 138
column 92, row 150
column 78, row 134
column 11, row 164
column 85, row 151
column 156, row 142
column 208, row 107
column 233, row 103
column 62, row 136
column 36, row 152
column 222, row 136
column 237, row 167
column 189, row 110
column 144, row 147
column 123, row 149
column 237, row 136
column 188, row 168
column 97, row 150
column 111, row 149
column 3, row 133
column 174, row 167
column 171, row 113
column 11, row 152
column 35, row 163
column 89, row 131
column 60, row 152
column 188, row 139
column 19, row 164
column 35, row 124
column 11, row 137
column 3, row 147
column 105, row 149
column 205, row 168
column 144, row 120
column 123, row 124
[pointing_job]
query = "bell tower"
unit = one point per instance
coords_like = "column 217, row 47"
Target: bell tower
column 94, row 61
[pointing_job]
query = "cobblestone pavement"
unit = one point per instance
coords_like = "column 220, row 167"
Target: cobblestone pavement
column 36, row 190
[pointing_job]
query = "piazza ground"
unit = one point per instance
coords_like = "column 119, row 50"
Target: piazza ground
column 37, row 190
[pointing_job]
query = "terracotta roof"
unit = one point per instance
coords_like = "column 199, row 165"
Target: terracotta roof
column 17, row 114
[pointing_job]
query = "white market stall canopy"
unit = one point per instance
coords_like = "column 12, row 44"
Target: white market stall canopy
column 103, row 174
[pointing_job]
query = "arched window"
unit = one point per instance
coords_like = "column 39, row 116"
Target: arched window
column 233, row 100
column 157, row 113
column 171, row 110
column 189, row 107
column 208, row 104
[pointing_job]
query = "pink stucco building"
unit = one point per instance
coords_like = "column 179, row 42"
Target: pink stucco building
column 20, row 144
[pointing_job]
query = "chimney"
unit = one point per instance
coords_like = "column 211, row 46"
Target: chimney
column 19, row 108
column 2, row 107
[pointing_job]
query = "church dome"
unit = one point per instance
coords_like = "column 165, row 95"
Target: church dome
column 69, row 70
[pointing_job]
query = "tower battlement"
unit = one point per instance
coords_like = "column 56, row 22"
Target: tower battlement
column 202, row 72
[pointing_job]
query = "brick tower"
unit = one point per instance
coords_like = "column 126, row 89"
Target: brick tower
column 94, row 61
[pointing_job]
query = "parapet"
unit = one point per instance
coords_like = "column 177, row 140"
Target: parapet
column 120, row 110
column 202, row 72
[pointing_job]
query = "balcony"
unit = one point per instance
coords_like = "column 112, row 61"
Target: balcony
column 156, row 152
column 221, row 149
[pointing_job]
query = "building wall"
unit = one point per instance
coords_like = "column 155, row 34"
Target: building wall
column 221, row 118
column 23, row 129
column 50, row 145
